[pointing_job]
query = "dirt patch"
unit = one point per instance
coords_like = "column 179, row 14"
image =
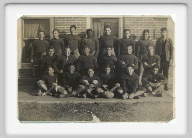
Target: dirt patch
column 106, row 112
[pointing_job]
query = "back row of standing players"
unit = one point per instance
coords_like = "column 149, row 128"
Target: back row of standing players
column 106, row 67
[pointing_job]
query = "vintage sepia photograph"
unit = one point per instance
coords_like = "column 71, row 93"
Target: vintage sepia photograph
column 96, row 68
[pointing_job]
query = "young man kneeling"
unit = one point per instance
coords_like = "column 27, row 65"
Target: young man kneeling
column 49, row 84
column 155, row 82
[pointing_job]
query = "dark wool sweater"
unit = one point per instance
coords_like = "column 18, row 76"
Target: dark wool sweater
column 123, row 45
column 92, row 43
column 129, row 83
column 141, row 48
column 63, row 63
column 109, row 80
column 155, row 78
column 109, row 40
column 49, row 80
column 90, row 80
column 107, row 60
column 129, row 59
column 150, row 60
column 39, row 47
column 47, row 61
column 73, row 41
column 58, row 44
column 85, row 62
column 70, row 79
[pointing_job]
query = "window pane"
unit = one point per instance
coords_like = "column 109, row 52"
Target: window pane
column 32, row 26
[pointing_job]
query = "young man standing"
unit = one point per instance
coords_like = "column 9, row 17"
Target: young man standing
column 91, row 42
column 39, row 49
column 73, row 41
column 108, row 40
column 125, row 41
column 164, row 48
column 155, row 82
column 57, row 43
column 141, row 49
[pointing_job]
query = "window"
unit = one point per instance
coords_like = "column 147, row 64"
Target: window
column 31, row 27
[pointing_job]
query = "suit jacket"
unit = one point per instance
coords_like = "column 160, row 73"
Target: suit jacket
column 168, row 48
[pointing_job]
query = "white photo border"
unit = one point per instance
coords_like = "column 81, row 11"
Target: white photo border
column 5, row 126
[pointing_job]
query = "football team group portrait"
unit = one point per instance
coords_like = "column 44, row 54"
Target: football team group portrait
column 104, row 67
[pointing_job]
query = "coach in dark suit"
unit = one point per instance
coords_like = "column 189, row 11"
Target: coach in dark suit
column 164, row 48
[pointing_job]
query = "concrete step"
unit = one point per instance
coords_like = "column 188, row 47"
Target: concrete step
column 25, row 73
column 27, row 81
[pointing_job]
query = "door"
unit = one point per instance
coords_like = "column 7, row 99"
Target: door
column 99, row 23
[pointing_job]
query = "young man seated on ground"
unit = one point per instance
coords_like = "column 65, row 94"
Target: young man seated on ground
column 155, row 82
column 108, row 83
column 48, row 60
column 107, row 59
column 70, row 79
column 86, row 61
column 130, row 83
column 129, row 58
column 88, row 85
column 48, row 84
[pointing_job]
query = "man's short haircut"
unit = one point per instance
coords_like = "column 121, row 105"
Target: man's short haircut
column 145, row 31
column 129, row 45
column 125, row 30
column 107, row 26
column 108, row 47
column 163, row 29
column 85, row 46
column 89, row 30
column 50, row 67
column 150, row 46
column 73, row 26
column 71, row 64
column 90, row 68
column 55, row 30
column 130, row 65
column 67, row 48
column 155, row 66
column 41, row 31
column 107, row 66
column 50, row 47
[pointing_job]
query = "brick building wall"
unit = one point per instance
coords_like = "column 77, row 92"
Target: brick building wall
column 138, row 24
column 64, row 23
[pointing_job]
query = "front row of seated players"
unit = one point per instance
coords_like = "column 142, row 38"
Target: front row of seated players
column 107, row 86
